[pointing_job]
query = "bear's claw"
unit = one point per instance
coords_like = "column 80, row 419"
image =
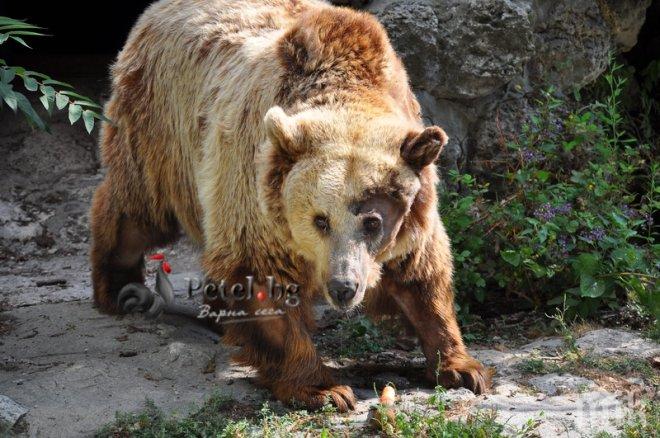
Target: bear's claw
column 468, row 374
column 313, row 398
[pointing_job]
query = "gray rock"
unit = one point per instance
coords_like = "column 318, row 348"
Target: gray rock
column 572, row 43
column 625, row 18
column 460, row 395
column 499, row 125
column 459, row 49
column 556, row 384
column 572, row 415
column 456, row 119
column 506, row 388
column 494, row 358
column 545, row 345
column 473, row 63
column 605, row 342
column 10, row 413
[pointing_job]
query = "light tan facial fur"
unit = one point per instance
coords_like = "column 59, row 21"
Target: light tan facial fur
column 356, row 173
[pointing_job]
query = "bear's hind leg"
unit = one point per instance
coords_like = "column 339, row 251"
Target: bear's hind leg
column 119, row 241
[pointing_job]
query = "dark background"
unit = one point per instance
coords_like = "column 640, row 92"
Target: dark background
column 83, row 37
column 76, row 26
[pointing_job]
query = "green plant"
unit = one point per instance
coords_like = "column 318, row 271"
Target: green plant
column 218, row 417
column 357, row 336
column 572, row 217
column 434, row 422
column 53, row 93
column 645, row 422
column 536, row 365
column 567, row 334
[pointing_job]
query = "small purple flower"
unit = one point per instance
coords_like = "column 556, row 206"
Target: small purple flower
column 545, row 212
column 628, row 212
column 562, row 243
column 565, row 208
column 530, row 156
column 648, row 218
column 594, row 235
column 598, row 233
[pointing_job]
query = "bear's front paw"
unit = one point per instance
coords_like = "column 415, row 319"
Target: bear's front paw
column 314, row 397
column 462, row 372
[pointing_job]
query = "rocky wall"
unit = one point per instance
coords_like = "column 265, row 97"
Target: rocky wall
column 477, row 65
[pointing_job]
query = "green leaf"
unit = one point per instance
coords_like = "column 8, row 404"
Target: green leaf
column 7, row 21
column 88, row 118
column 61, row 101
column 9, row 96
column 76, row 95
column 586, row 264
column 3, row 38
column 629, row 257
column 591, row 287
column 30, row 83
column 46, row 102
column 36, row 74
column 48, row 91
column 87, row 104
column 75, row 111
column 18, row 26
column 59, row 83
column 542, row 175
column 24, row 33
column 511, row 257
column 33, row 118
column 7, row 75
column 21, row 41
column 102, row 117
column 538, row 270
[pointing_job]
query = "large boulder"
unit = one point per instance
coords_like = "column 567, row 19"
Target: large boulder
column 457, row 48
column 573, row 41
column 474, row 63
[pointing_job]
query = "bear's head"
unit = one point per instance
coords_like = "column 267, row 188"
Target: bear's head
column 339, row 185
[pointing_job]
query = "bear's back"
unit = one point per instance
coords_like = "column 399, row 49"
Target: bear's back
column 196, row 77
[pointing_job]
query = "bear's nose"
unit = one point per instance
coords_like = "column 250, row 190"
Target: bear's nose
column 342, row 291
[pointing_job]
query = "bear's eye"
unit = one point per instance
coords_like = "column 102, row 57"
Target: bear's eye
column 322, row 223
column 372, row 224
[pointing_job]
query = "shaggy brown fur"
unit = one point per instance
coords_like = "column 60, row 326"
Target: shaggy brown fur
column 246, row 124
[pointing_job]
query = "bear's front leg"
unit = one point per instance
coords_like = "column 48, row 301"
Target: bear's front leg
column 281, row 349
column 421, row 285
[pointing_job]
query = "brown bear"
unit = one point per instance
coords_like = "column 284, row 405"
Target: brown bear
column 283, row 137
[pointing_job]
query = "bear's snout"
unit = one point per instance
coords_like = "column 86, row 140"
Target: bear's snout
column 342, row 291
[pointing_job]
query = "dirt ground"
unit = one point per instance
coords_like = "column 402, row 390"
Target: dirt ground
column 70, row 368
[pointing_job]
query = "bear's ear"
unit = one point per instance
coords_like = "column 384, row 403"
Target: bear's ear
column 283, row 131
column 420, row 150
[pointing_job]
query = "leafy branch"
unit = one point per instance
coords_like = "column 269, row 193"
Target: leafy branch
column 54, row 94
